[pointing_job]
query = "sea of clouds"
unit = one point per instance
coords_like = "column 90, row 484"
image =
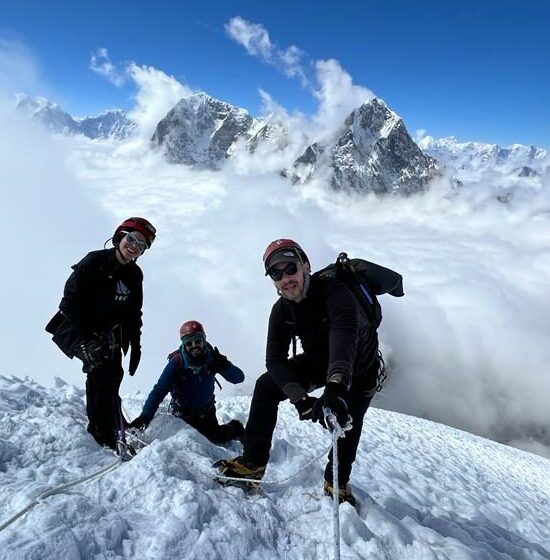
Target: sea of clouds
column 466, row 346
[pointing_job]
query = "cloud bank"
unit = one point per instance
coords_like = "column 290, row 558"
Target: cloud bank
column 19, row 68
column 465, row 346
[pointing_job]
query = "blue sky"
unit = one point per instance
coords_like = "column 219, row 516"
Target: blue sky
column 476, row 70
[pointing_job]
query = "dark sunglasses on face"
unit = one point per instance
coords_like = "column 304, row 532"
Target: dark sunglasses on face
column 277, row 274
column 197, row 340
column 136, row 242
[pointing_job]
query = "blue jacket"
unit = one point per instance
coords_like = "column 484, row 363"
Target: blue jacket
column 191, row 387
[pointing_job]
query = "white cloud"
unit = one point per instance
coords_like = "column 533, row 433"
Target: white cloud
column 101, row 64
column 420, row 134
column 337, row 94
column 48, row 223
column 19, row 69
column 156, row 94
column 254, row 37
column 335, row 91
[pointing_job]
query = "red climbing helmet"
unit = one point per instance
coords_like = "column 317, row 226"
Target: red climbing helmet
column 191, row 327
column 283, row 250
column 141, row 225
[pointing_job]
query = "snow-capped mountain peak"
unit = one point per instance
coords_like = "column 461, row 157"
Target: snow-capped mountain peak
column 109, row 124
column 202, row 131
column 371, row 152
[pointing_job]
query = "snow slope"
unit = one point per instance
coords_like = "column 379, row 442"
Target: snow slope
column 427, row 491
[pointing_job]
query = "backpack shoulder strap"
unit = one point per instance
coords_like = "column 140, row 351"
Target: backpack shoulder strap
column 176, row 356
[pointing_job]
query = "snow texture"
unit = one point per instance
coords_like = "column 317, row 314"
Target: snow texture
column 426, row 491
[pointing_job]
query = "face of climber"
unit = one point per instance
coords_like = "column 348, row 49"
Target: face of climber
column 194, row 345
column 131, row 246
column 289, row 278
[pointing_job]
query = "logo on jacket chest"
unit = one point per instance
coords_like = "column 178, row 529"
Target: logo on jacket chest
column 122, row 292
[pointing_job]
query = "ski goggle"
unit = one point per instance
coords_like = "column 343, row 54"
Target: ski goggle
column 135, row 241
column 195, row 340
column 277, row 273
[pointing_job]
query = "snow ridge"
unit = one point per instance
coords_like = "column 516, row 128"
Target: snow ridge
column 426, row 491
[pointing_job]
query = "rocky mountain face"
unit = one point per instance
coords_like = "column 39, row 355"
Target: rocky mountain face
column 111, row 124
column 472, row 160
column 371, row 152
column 203, row 131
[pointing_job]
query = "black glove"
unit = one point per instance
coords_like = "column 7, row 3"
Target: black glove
column 334, row 398
column 140, row 423
column 219, row 362
column 93, row 353
column 135, row 357
column 305, row 407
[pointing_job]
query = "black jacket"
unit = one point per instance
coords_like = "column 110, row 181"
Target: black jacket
column 101, row 295
column 334, row 333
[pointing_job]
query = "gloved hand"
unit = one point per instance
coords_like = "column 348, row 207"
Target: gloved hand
column 135, row 357
column 93, row 354
column 334, row 398
column 305, row 407
column 140, row 423
column 219, row 362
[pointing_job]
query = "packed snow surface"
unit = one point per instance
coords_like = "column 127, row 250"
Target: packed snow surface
column 426, row 491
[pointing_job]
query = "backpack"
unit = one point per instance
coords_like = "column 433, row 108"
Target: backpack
column 366, row 280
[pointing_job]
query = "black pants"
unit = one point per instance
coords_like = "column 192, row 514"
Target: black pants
column 103, row 401
column 263, row 418
column 206, row 423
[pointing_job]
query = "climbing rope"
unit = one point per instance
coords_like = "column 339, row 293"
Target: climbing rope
column 59, row 490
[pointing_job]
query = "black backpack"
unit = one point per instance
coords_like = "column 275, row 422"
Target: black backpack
column 366, row 280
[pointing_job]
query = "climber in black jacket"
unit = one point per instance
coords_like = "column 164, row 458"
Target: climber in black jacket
column 339, row 353
column 99, row 318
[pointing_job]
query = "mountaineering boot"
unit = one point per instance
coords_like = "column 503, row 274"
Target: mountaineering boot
column 237, row 430
column 239, row 468
column 125, row 451
column 104, row 437
column 344, row 493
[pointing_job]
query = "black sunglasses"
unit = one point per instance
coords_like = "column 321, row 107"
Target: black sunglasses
column 277, row 273
column 134, row 240
column 197, row 340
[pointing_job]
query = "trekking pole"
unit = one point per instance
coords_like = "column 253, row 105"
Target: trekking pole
column 337, row 432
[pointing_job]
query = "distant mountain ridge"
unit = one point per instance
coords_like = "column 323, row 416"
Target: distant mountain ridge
column 468, row 160
column 112, row 124
column 371, row 151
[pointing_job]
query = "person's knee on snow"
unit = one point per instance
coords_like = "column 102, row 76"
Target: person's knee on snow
column 190, row 377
